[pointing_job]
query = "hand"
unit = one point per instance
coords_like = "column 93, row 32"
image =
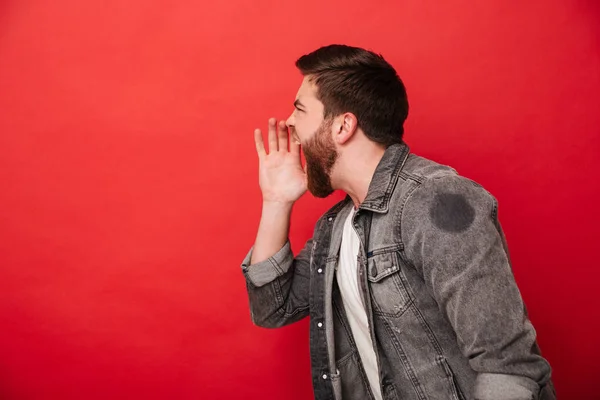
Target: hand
column 281, row 176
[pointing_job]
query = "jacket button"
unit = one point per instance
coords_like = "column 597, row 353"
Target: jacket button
column 320, row 324
column 319, row 270
column 324, row 376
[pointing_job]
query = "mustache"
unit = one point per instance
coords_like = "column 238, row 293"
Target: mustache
column 294, row 135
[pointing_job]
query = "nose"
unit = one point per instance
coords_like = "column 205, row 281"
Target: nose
column 290, row 121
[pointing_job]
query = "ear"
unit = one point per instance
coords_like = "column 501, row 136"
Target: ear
column 344, row 127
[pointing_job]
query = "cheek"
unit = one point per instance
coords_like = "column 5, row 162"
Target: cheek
column 306, row 128
column 300, row 130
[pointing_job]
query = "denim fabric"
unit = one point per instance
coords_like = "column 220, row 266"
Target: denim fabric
column 445, row 314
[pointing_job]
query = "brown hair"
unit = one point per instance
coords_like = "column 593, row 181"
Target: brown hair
column 351, row 79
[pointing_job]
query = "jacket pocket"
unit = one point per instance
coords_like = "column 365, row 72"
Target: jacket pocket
column 354, row 382
column 388, row 286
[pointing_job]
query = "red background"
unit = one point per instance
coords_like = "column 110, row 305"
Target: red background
column 129, row 190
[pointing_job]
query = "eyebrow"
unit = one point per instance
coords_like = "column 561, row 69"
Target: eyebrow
column 297, row 104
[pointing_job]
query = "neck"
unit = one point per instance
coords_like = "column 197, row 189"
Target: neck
column 355, row 167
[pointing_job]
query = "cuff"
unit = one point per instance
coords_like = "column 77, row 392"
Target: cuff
column 267, row 271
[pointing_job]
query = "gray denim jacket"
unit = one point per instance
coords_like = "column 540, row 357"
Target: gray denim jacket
column 444, row 311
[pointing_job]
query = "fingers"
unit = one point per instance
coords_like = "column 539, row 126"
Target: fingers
column 278, row 138
column 283, row 136
column 260, row 145
column 272, row 136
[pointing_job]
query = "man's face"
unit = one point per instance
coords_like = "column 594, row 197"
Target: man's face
column 313, row 132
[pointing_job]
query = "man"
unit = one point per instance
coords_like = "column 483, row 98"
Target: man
column 407, row 282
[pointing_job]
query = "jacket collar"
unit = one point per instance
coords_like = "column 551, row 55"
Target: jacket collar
column 385, row 178
column 382, row 183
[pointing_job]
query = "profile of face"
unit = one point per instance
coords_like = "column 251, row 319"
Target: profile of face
column 309, row 127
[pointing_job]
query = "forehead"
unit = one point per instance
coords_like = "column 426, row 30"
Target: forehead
column 307, row 93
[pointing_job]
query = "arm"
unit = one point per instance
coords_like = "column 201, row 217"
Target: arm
column 452, row 236
column 277, row 283
column 278, row 287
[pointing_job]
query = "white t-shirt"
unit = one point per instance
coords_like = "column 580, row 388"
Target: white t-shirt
column 347, row 278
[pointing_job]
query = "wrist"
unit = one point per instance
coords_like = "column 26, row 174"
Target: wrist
column 277, row 206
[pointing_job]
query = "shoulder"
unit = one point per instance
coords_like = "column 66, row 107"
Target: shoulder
column 433, row 178
column 441, row 196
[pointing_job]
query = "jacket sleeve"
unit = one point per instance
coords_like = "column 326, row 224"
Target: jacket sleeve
column 278, row 287
column 452, row 236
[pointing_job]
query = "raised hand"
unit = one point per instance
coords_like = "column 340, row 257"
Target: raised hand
column 281, row 176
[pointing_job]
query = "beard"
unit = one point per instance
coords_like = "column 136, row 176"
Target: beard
column 320, row 154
